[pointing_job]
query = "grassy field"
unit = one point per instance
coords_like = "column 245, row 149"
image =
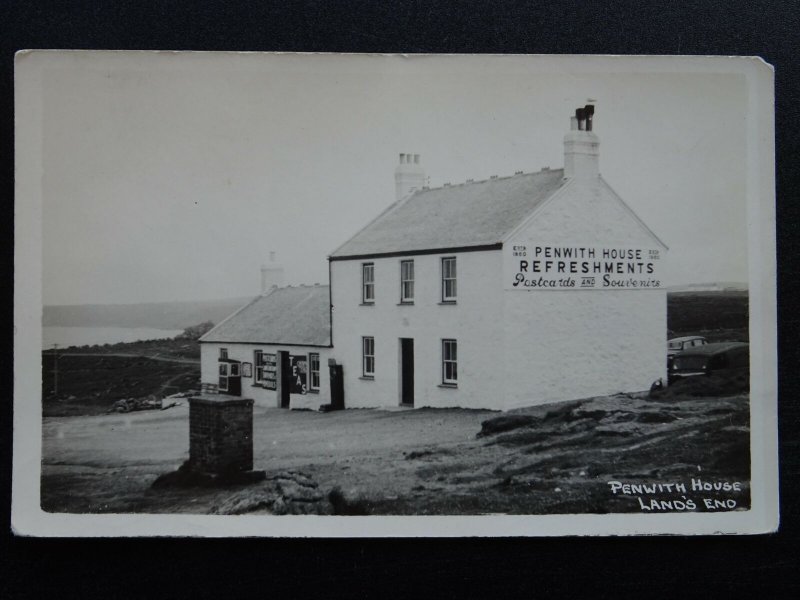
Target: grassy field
column 165, row 348
column 719, row 316
column 90, row 384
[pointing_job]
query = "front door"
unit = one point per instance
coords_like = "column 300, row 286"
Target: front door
column 337, row 386
column 407, row 371
column 286, row 379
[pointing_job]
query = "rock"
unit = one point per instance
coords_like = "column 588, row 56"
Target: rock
column 294, row 491
column 247, row 501
column 506, row 423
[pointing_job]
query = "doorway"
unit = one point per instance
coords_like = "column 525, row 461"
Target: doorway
column 285, row 380
column 337, row 387
column 407, row 371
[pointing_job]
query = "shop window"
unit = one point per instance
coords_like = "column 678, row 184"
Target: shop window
column 449, row 362
column 258, row 362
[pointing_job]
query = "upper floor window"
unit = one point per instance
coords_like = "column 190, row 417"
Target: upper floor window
column 449, row 279
column 368, row 283
column 368, row 356
column 223, row 354
column 406, row 281
column 313, row 360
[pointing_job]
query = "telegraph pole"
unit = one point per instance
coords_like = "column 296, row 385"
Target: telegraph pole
column 55, row 369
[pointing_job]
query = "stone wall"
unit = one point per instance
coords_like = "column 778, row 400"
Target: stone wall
column 221, row 434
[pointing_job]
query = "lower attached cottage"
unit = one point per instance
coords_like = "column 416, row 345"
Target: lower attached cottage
column 274, row 350
column 506, row 292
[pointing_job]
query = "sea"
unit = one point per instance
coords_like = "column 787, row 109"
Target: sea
column 89, row 336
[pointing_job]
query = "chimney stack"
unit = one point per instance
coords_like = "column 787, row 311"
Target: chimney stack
column 581, row 146
column 408, row 176
column 271, row 275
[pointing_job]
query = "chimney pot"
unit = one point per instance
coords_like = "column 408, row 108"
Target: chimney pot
column 588, row 110
column 408, row 176
column 581, row 116
column 272, row 274
column 581, row 146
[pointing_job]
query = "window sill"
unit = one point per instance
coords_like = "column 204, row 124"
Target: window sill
column 367, row 378
column 449, row 386
column 406, row 303
column 447, row 302
column 367, row 304
column 312, row 392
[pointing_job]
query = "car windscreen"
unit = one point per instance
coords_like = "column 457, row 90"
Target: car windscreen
column 689, row 362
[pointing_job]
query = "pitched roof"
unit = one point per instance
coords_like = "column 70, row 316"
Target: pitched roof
column 470, row 214
column 290, row 315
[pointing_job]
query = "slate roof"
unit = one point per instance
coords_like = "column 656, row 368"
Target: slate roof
column 288, row 316
column 469, row 214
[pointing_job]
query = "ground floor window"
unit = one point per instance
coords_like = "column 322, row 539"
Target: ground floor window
column 368, row 352
column 313, row 360
column 223, row 377
column 449, row 362
column 258, row 362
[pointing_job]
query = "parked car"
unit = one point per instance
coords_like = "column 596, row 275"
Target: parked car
column 680, row 344
column 724, row 358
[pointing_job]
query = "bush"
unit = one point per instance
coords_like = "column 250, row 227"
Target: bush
column 195, row 332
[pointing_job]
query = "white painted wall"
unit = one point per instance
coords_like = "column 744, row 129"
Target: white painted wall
column 209, row 355
column 474, row 321
column 516, row 348
column 561, row 345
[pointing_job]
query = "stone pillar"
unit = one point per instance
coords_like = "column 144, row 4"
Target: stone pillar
column 220, row 434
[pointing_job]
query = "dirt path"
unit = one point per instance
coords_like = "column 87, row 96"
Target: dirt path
column 156, row 356
column 553, row 459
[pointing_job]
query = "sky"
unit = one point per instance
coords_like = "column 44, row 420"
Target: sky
column 169, row 176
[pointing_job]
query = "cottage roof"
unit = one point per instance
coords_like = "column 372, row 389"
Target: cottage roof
column 289, row 316
column 472, row 214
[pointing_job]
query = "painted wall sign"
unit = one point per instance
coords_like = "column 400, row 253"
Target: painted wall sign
column 299, row 383
column 247, row 369
column 269, row 378
column 549, row 267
